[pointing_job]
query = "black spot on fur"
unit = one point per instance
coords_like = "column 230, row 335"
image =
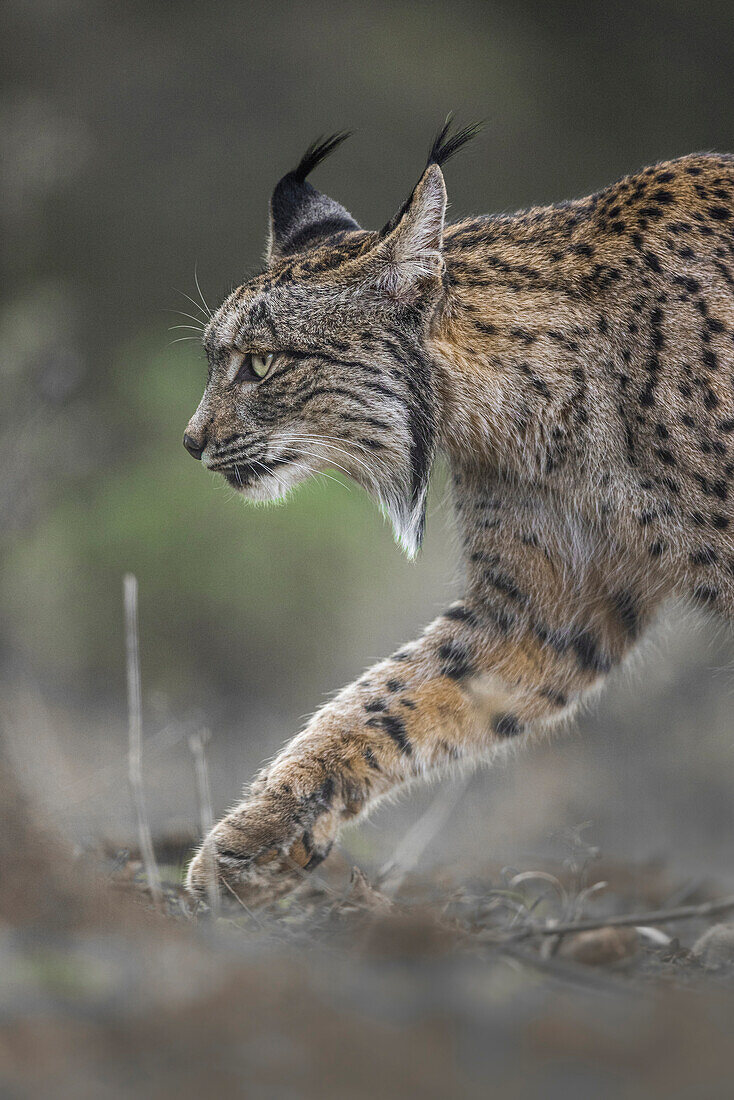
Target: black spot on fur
column 394, row 727
column 705, row 556
column 371, row 760
column 507, row 725
column 557, row 698
column 589, row 653
column 455, row 661
column 461, row 614
column 317, row 856
column 229, row 853
column 628, row 611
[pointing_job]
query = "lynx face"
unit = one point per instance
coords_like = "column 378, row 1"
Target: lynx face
column 321, row 361
column 334, row 391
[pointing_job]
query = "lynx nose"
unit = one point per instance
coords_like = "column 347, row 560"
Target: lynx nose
column 192, row 445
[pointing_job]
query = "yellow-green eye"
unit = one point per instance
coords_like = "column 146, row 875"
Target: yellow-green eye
column 261, row 364
column 253, row 367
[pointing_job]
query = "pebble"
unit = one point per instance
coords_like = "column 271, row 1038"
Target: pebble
column 600, row 946
column 715, row 948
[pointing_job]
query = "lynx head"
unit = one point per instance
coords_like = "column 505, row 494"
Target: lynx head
column 321, row 360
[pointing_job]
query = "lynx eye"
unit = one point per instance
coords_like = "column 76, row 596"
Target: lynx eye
column 253, row 367
column 261, row 364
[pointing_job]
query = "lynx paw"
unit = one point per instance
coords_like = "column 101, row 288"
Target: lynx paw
column 254, row 856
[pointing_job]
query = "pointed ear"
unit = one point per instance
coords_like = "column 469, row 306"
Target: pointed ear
column 410, row 252
column 408, row 258
column 300, row 216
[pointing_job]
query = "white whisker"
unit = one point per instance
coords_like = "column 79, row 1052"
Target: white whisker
column 325, row 458
column 232, row 461
column 338, row 441
column 196, row 280
column 193, row 301
column 180, row 313
column 318, row 473
column 325, row 442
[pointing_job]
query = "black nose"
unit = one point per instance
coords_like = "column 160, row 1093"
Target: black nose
column 195, row 449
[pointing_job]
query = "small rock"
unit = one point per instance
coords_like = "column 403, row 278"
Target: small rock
column 600, row 946
column 714, row 950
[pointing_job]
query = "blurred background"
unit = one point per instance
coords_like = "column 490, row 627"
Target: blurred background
column 141, row 142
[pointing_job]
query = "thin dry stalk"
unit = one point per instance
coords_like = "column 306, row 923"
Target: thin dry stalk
column 407, row 854
column 657, row 916
column 197, row 745
column 135, row 736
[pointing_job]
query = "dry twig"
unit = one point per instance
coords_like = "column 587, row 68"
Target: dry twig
column 135, row 736
column 197, row 742
column 417, row 839
column 657, row 916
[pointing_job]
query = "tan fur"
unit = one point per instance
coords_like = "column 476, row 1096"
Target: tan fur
column 576, row 365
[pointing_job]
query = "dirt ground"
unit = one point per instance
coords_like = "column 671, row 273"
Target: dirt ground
column 414, row 985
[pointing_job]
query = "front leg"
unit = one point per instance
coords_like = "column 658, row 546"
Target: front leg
column 439, row 700
column 534, row 635
column 406, row 717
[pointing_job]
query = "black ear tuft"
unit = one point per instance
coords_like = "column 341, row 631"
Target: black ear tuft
column 318, row 150
column 300, row 216
column 444, row 146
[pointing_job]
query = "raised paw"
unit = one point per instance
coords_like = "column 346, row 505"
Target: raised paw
column 257, row 853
